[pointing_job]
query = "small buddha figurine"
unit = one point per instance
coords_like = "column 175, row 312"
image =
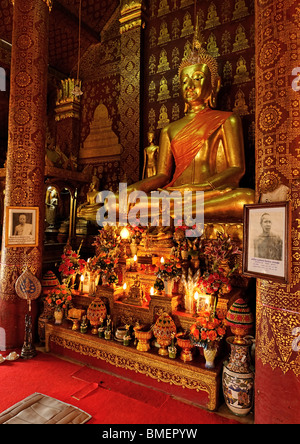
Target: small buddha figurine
column 150, row 157
column 90, row 204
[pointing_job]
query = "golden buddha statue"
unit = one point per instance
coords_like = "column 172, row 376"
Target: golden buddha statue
column 150, row 157
column 203, row 151
column 90, row 206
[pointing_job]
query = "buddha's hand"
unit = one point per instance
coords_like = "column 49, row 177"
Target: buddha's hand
column 189, row 187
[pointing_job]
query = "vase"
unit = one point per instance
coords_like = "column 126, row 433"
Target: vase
column 58, row 316
column 238, row 379
column 210, row 355
column 169, row 284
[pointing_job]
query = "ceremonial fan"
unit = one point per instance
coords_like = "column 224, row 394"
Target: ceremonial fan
column 28, row 287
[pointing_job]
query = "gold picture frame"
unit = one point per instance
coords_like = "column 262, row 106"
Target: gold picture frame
column 22, row 226
column 267, row 241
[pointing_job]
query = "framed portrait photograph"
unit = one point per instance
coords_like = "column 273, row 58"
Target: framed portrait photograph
column 267, row 241
column 21, row 226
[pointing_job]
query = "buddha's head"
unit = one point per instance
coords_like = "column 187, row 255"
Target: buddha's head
column 199, row 79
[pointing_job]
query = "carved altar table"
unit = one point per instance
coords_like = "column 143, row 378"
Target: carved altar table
column 191, row 375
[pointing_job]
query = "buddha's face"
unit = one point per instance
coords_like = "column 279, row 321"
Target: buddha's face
column 196, row 85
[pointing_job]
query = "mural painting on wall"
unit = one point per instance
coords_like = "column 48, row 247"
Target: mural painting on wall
column 228, row 31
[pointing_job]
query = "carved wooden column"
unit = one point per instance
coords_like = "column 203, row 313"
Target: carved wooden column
column 26, row 152
column 68, row 121
column 130, row 69
column 278, row 163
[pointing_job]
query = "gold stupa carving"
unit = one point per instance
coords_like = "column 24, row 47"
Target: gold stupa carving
column 175, row 29
column 102, row 141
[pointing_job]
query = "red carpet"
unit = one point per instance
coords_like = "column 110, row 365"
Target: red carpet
column 109, row 399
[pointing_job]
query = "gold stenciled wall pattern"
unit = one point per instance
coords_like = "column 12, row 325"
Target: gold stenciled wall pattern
column 278, row 163
column 228, row 30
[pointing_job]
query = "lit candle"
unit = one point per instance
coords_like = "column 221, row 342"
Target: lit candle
column 124, row 289
column 81, row 283
column 135, row 259
column 207, row 304
column 196, row 297
column 162, row 261
column 124, row 233
column 151, row 291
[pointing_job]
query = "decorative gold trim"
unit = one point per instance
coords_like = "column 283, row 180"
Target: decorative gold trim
column 49, row 3
column 156, row 367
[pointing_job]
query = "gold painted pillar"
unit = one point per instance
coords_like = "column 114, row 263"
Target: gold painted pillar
column 277, row 378
column 26, row 153
column 131, row 28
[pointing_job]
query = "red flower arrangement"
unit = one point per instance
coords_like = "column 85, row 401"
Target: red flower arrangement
column 212, row 283
column 60, row 297
column 107, row 245
column 206, row 331
column 71, row 264
column 170, row 269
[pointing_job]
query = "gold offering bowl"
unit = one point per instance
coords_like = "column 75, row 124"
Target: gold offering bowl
column 143, row 337
column 76, row 324
column 185, row 344
column 164, row 342
column 240, row 332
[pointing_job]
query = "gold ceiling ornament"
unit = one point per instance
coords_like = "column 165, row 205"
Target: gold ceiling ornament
column 131, row 15
column 49, row 3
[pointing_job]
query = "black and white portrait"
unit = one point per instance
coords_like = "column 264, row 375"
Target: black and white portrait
column 266, row 240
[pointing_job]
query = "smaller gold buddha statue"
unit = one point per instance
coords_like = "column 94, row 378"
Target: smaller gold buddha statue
column 150, row 157
column 90, row 205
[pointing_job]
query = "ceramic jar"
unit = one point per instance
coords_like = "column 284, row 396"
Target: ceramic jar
column 169, row 285
column 210, row 354
column 238, row 379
